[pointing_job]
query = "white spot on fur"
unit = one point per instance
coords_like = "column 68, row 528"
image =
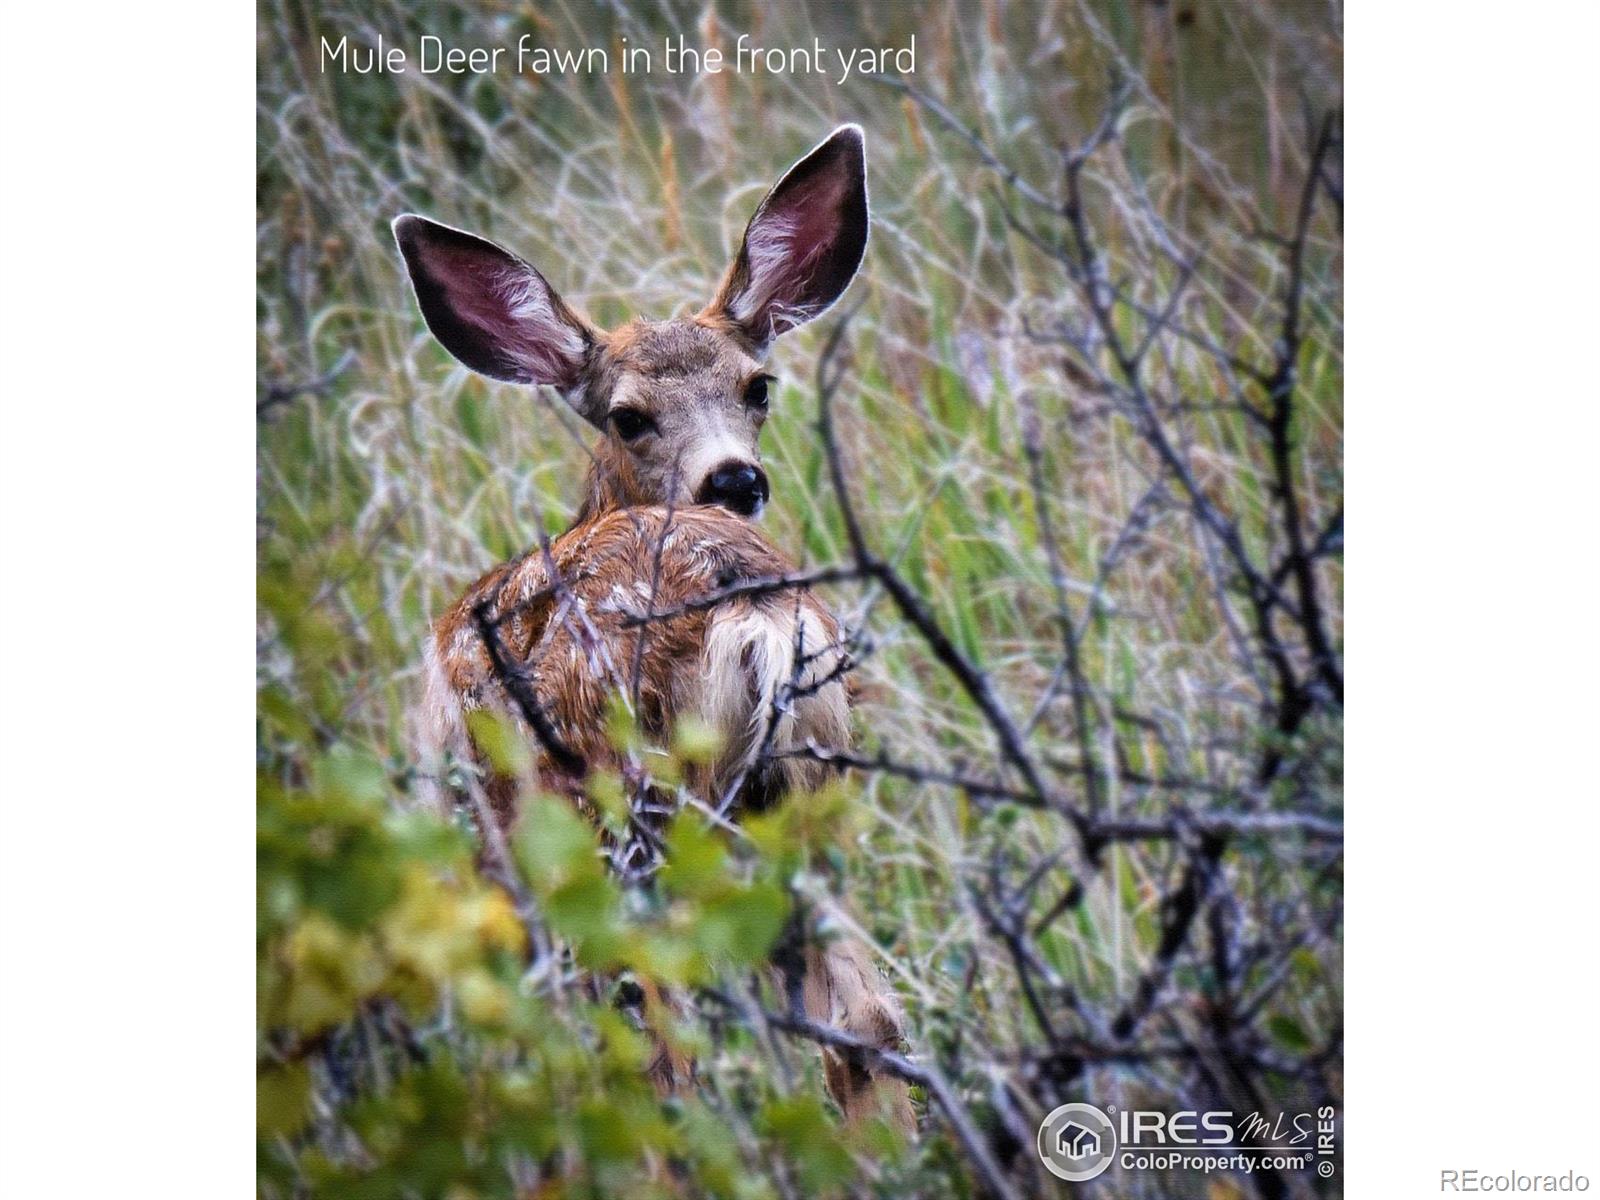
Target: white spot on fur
column 749, row 672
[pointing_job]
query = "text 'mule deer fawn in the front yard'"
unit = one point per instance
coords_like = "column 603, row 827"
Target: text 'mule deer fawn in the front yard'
column 676, row 475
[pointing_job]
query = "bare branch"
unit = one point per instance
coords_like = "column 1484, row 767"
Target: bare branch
column 517, row 686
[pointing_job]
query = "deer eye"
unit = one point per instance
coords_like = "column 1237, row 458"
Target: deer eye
column 755, row 392
column 630, row 423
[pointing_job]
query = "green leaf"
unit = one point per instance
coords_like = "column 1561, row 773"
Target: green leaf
column 1287, row 1032
column 351, row 775
column 283, row 1099
column 554, row 844
column 741, row 926
column 802, row 1126
column 588, row 912
column 694, row 741
column 696, row 859
column 500, row 740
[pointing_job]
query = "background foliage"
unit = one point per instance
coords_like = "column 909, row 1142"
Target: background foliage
column 406, row 1047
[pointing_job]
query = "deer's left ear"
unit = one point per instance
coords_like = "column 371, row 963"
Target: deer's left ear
column 804, row 244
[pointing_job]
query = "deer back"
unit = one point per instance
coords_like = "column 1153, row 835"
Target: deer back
column 575, row 626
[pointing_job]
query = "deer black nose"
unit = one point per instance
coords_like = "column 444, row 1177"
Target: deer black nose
column 741, row 487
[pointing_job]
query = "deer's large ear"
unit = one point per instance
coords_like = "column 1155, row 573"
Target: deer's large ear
column 804, row 244
column 492, row 310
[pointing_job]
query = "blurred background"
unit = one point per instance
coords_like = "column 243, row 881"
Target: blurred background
column 1091, row 413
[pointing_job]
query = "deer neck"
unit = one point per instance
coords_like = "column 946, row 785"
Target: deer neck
column 611, row 484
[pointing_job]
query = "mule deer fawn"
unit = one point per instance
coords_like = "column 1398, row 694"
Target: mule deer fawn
column 675, row 476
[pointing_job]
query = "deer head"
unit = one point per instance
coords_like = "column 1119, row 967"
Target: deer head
column 681, row 402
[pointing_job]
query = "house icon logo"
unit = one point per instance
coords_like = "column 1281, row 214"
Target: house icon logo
column 1077, row 1142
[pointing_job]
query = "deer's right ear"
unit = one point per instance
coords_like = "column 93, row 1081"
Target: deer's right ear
column 804, row 244
column 492, row 310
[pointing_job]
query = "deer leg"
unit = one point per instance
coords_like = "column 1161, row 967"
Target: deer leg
column 842, row 987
